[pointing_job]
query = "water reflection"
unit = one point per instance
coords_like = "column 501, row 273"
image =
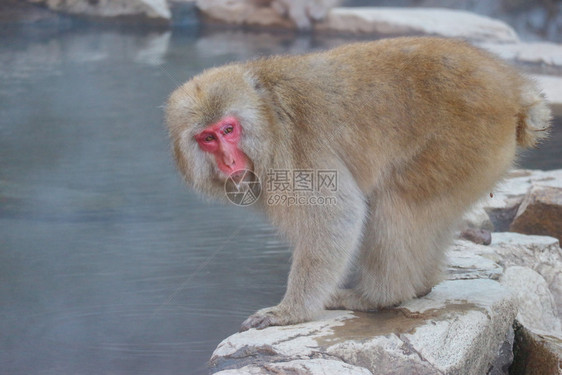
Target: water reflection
column 107, row 263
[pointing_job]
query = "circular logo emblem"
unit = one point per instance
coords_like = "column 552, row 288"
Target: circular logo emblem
column 243, row 188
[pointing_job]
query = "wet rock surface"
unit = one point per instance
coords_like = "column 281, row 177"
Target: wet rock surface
column 457, row 328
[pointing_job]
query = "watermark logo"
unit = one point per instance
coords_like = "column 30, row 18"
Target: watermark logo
column 243, row 188
column 300, row 187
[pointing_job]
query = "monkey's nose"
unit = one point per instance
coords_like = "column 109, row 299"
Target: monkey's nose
column 228, row 161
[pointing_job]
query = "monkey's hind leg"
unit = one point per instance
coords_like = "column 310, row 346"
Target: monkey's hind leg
column 400, row 257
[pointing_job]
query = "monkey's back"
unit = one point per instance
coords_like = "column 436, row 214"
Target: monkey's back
column 441, row 114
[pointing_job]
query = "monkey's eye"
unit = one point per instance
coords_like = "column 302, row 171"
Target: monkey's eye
column 209, row 138
column 228, row 129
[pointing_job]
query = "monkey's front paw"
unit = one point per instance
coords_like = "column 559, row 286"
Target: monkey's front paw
column 271, row 316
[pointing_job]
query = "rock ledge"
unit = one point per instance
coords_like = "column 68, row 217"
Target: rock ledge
column 458, row 328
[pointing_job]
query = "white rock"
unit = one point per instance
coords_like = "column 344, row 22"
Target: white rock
column 540, row 253
column 552, row 89
column 537, row 308
column 457, row 328
column 536, row 52
column 465, row 343
column 467, row 260
column 433, row 21
column 156, row 9
column 300, row 367
column 283, row 338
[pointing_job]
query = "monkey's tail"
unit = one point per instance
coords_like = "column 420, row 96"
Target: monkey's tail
column 533, row 121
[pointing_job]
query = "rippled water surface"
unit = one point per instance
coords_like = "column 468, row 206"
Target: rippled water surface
column 108, row 264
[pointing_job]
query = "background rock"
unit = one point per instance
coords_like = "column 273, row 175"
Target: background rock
column 536, row 353
column 478, row 236
column 156, row 10
column 540, row 212
column 537, row 308
column 540, row 253
column 405, row 21
column 503, row 202
column 366, row 20
column 243, row 12
column 272, row 13
column 467, row 260
column 184, row 13
column 530, row 53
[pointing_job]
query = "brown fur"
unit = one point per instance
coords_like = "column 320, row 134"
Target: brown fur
column 418, row 130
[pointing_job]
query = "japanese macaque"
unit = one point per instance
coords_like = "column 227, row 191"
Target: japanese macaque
column 418, row 129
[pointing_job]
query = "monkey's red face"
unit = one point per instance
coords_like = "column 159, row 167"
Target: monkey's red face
column 222, row 140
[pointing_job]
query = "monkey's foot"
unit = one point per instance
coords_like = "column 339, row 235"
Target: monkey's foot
column 271, row 316
column 349, row 299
